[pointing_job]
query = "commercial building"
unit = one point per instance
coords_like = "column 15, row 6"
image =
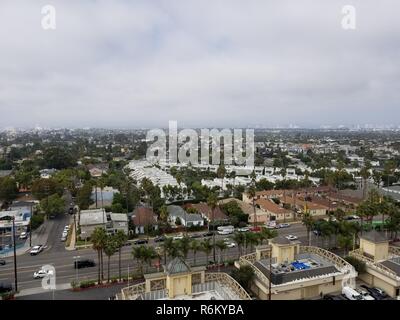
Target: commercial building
column 382, row 262
column 89, row 220
column 179, row 281
column 288, row 271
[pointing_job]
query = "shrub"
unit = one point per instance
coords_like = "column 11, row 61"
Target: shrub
column 87, row 284
column 37, row 220
column 358, row 264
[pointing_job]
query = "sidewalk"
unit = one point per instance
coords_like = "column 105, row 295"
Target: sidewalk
column 71, row 246
column 27, row 292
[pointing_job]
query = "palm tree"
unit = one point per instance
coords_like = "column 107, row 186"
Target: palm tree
column 120, row 240
column 166, row 246
column 308, row 222
column 268, row 234
column 109, row 249
column 221, row 172
column 221, row 245
column 212, row 203
column 138, row 254
column 184, row 246
column 98, row 238
column 238, row 237
column 252, row 239
column 364, row 173
column 195, row 246
column 164, row 213
column 207, row 247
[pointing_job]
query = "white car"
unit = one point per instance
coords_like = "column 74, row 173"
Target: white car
column 365, row 294
column 284, row 225
column 291, row 237
column 65, row 233
column 244, row 229
column 36, row 250
column 23, row 235
column 179, row 237
column 42, row 273
column 66, row 228
column 230, row 244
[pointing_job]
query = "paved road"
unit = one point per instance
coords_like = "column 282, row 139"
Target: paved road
column 63, row 260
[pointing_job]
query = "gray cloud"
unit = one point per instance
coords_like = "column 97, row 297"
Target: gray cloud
column 203, row 63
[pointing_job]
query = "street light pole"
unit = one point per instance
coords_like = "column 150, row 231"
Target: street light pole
column 30, row 227
column 15, row 255
column 270, row 274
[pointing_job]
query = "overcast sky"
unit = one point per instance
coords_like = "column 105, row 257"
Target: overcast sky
column 204, row 63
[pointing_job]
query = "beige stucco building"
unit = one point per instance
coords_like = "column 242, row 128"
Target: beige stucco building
column 382, row 262
column 179, row 281
column 296, row 272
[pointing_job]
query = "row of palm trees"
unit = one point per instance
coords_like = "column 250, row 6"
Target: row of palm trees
column 108, row 245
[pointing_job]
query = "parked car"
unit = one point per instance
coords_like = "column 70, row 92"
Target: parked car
column 291, row 237
column 365, row 294
column 317, row 232
column 196, row 235
column 208, row 234
column 351, row 294
column 244, row 229
column 2, row 262
column 376, row 293
column 23, row 235
column 63, row 238
column 230, row 244
column 36, row 250
column 284, row 225
column 5, row 288
column 86, row 263
column 42, row 273
column 66, row 228
column 141, row 241
column 159, row 239
column 179, row 237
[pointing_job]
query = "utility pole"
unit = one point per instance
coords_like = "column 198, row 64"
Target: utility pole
column 270, row 273
column 15, row 255
column 30, row 227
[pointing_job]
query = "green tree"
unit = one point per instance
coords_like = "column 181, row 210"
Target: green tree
column 84, row 194
column 109, row 249
column 207, row 247
column 53, row 205
column 120, row 240
column 8, row 189
column 221, row 245
column 42, row 188
column 195, row 246
column 212, row 203
column 184, row 246
column 98, row 239
column 308, row 222
column 244, row 276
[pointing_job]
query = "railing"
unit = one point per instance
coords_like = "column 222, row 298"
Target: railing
column 228, row 281
column 335, row 259
column 248, row 260
column 155, row 295
column 374, row 265
column 394, row 251
column 133, row 292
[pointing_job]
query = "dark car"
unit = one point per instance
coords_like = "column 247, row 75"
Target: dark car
column 332, row 297
column 159, row 239
column 141, row 241
column 376, row 294
column 207, row 234
column 71, row 211
column 84, row 264
column 2, row 262
column 5, row 288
